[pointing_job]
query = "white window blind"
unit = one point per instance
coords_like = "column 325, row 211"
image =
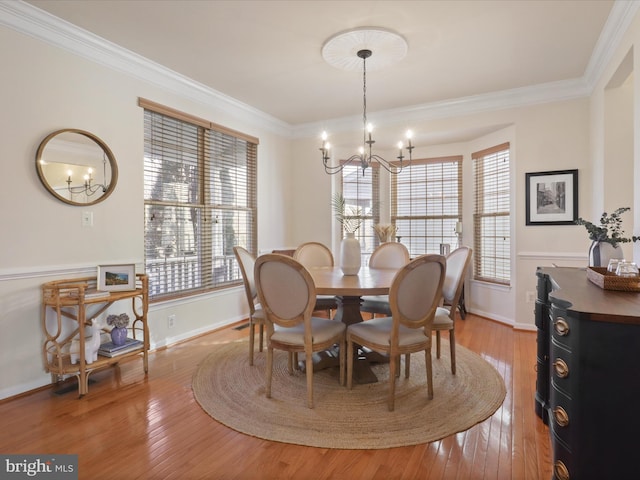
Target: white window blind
column 427, row 202
column 361, row 193
column 200, row 201
column 492, row 219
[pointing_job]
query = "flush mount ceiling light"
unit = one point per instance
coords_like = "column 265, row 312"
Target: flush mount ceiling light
column 374, row 48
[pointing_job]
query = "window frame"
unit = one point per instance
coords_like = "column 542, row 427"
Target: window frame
column 421, row 221
column 197, row 272
column 488, row 264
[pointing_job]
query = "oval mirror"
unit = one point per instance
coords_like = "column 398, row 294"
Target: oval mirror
column 76, row 167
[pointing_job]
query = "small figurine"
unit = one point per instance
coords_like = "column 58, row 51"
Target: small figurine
column 91, row 346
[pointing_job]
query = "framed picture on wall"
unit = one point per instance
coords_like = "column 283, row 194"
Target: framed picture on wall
column 552, row 197
column 115, row 278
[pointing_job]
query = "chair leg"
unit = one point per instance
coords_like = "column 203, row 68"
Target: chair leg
column 407, row 365
column 452, row 344
column 261, row 330
column 349, row 364
column 393, row 360
column 269, row 370
column 437, row 343
column 427, row 361
column 343, row 354
column 252, row 331
column 309, row 368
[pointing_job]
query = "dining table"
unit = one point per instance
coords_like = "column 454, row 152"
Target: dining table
column 349, row 290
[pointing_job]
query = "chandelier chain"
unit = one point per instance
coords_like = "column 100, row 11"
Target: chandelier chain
column 364, row 100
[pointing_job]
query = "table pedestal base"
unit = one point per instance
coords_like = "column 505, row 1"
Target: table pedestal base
column 362, row 372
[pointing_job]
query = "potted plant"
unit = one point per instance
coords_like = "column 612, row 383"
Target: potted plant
column 606, row 237
column 350, row 218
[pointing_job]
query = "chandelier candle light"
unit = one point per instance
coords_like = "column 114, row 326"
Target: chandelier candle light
column 89, row 188
column 365, row 155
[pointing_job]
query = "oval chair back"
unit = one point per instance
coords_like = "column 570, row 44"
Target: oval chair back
column 415, row 294
column 246, row 262
column 458, row 262
column 288, row 296
column 389, row 255
column 314, row 254
column 386, row 255
column 414, row 297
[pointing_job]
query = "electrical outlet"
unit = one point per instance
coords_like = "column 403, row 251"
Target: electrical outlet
column 171, row 321
column 531, row 297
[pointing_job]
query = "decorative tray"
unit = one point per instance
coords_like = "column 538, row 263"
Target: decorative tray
column 610, row 281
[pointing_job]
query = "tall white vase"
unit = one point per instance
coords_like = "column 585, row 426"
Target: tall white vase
column 601, row 252
column 350, row 258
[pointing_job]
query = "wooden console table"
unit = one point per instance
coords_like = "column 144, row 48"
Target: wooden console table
column 66, row 299
column 587, row 375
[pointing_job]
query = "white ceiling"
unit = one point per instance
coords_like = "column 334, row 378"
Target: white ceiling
column 267, row 54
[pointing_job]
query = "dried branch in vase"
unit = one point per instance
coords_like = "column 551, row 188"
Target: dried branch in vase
column 385, row 233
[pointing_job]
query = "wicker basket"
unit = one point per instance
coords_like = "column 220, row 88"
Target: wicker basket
column 610, row 281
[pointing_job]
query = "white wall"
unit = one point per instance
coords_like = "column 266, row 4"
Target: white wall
column 44, row 89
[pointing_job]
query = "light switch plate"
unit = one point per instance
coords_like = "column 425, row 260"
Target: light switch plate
column 87, row 219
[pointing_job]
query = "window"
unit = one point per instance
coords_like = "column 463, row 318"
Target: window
column 491, row 218
column 427, row 203
column 361, row 194
column 200, row 201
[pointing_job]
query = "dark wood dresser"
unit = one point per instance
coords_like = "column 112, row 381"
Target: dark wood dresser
column 588, row 375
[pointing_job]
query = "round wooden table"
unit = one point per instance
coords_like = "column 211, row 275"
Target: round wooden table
column 349, row 290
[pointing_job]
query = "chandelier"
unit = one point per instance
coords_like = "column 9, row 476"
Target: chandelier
column 365, row 156
column 88, row 188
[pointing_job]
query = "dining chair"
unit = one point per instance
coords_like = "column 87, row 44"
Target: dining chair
column 246, row 261
column 458, row 262
column 414, row 296
column 288, row 296
column 386, row 255
column 316, row 254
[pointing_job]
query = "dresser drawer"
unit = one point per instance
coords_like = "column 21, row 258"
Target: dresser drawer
column 561, row 417
column 563, row 328
column 562, row 369
column 562, row 466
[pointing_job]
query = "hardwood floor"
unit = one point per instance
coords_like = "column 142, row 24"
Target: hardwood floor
column 134, row 427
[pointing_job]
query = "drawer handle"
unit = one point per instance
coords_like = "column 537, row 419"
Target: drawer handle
column 561, row 368
column 561, row 471
column 561, row 416
column 561, row 326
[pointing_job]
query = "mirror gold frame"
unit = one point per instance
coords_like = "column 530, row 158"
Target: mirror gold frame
column 66, row 161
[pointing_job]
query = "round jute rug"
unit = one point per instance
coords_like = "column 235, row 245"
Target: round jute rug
column 232, row 392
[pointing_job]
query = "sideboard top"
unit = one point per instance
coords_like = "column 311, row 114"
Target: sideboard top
column 571, row 289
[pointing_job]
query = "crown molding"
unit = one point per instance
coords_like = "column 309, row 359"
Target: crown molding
column 621, row 16
column 502, row 100
column 32, row 21
column 38, row 24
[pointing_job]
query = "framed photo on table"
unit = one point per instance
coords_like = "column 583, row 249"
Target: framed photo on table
column 552, row 197
column 116, row 278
